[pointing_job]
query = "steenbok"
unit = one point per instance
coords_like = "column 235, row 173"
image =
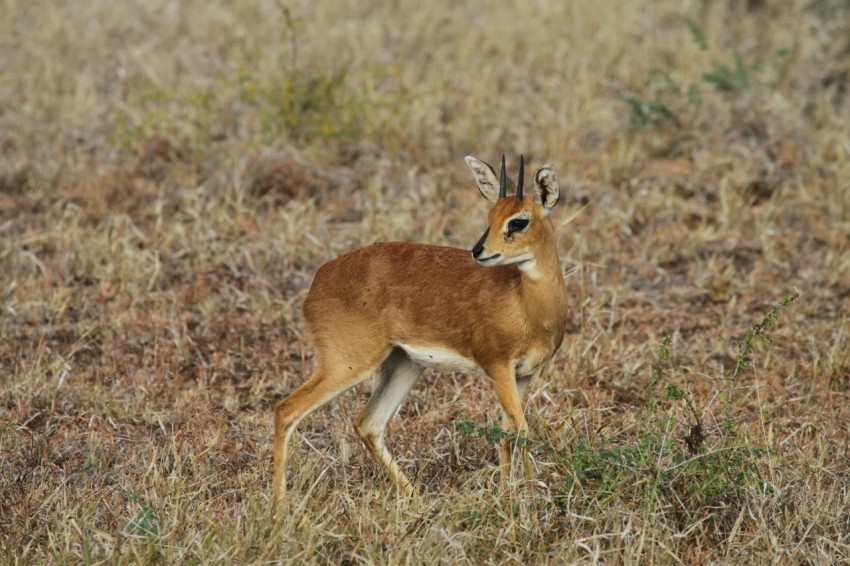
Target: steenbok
column 400, row 307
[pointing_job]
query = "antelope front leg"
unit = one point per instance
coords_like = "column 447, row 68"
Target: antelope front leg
column 522, row 386
column 513, row 420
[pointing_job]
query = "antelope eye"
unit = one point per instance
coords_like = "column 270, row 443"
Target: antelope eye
column 517, row 225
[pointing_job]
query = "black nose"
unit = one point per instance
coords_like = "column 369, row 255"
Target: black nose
column 476, row 251
column 479, row 247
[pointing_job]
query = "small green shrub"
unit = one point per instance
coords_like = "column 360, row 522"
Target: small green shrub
column 305, row 106
column 678, row 109
column 145, row 522
column 671, row 466
column 300, row 102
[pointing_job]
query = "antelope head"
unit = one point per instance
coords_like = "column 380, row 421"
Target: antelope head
column 518, row 225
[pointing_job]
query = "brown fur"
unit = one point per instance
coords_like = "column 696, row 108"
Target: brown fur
column 364, row 306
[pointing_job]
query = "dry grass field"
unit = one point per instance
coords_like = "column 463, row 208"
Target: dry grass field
column 173, row 173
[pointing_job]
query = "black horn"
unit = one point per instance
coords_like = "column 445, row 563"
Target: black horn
column 503, row 180
column 521, row 174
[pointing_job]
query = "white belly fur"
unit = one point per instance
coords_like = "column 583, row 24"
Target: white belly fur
column 438, row 357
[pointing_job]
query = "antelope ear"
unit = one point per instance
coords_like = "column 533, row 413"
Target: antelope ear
column 546, row 186
column 485, row 177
